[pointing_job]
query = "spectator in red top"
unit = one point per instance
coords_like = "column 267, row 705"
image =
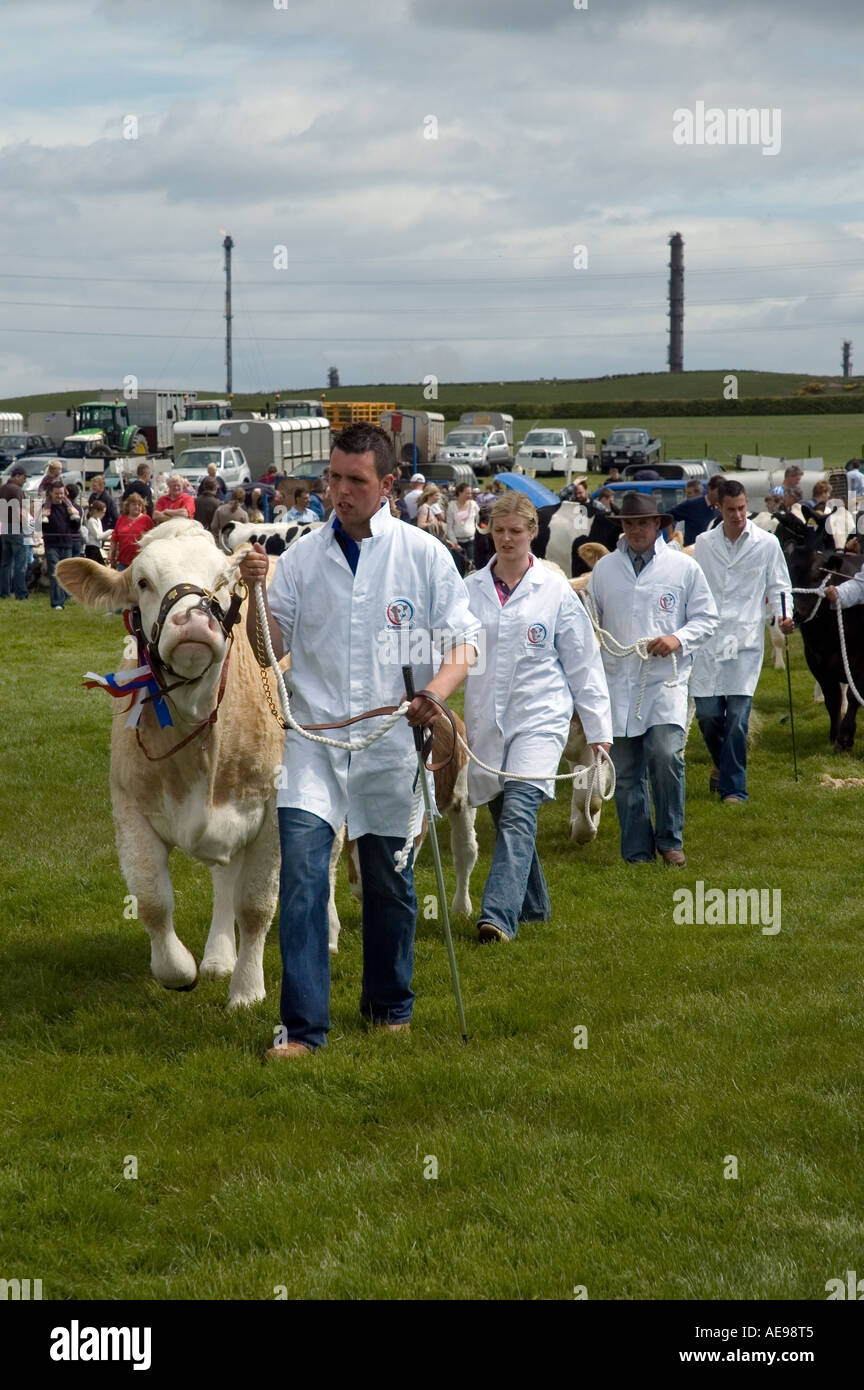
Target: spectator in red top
column 175, row 502
column 132, row 524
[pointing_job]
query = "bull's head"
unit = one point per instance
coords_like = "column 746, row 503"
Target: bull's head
column 182, row 629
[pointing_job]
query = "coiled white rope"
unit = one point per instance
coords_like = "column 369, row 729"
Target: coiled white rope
column 638, row 648
column 390, row 720
column 840, row 631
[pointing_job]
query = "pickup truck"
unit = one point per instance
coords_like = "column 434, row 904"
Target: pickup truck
column 482, row 449
column 629, row 446
column 231, row 465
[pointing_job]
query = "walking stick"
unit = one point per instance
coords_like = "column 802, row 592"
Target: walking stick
column 789, row 689
column 408, row 677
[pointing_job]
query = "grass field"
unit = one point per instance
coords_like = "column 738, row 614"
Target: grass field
column 557, row 1166
column 453, row 398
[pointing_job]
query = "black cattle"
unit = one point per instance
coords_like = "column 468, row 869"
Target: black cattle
column 813, row 560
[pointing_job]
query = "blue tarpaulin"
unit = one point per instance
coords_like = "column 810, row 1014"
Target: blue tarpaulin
column 540, row 495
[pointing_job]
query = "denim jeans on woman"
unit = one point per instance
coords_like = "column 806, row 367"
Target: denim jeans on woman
column 650, row 765
column 389, row 920
column 515, row 889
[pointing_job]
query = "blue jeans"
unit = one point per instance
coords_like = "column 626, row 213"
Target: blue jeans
column 13, row 567
column 58, row 593
column 723, row 720
column 389, row 919
column 654, row 759
column 515, row 889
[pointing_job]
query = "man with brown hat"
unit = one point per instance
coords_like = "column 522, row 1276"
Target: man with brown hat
column 649, row 595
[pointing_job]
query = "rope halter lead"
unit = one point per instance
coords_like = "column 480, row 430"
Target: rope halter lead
column 391, row 715
column 225, row 618
column 841, row 633
column 639, row 648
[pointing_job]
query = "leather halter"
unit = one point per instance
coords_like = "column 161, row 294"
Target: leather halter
column 208, row 604
column 225, row 618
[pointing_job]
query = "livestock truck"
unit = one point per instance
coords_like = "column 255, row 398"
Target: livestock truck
column 416, row 436
column 294, row 448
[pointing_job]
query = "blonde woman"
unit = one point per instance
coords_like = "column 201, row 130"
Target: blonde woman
column 541, row 662
column 430, row 512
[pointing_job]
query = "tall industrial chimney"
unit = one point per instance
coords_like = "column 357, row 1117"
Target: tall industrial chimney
column 676, row 302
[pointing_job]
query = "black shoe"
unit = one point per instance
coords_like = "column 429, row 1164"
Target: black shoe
column 714, row 783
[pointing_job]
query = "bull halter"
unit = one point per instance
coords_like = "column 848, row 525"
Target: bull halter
column 225, row 618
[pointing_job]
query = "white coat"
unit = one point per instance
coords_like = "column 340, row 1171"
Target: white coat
column 349, row 636
column 540, row 659
column 670, row 595
column 741, row 578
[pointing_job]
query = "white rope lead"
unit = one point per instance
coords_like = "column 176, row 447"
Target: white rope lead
column 841, row 633
column 390, row 720
column 638, row 648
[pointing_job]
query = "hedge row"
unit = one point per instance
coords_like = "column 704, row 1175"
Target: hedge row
column 852, row 404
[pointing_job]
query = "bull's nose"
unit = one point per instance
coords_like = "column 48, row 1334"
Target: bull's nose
column 198, row 614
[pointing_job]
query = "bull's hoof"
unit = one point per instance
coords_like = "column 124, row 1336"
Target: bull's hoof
column 246, row 1000
column 181, row 977
column 183, row 989
column 214, row 969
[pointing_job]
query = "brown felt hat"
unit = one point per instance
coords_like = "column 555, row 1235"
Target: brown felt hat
column 640, row 504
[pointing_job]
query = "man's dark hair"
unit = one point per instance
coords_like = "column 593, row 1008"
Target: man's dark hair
column 142, row 469
column 714, row 482
column 18, row 473
column 369, row 439
column 298, row 492
column 209, row 487
column 730, row 487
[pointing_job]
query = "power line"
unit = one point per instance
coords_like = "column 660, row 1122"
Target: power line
column 424, row 338
column 390, row 285
column 424, row 309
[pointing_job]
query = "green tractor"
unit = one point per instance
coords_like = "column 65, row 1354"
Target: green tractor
column 104, row 428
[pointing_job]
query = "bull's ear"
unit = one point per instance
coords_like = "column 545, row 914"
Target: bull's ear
column 95, row 585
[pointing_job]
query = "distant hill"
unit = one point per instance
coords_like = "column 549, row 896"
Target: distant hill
column 453, row 399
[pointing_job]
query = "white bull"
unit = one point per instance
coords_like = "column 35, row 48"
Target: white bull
column 214, row 798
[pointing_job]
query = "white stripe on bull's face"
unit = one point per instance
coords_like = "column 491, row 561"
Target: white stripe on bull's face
column 190, row 641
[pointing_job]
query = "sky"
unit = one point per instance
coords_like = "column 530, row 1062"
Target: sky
column 407, row 181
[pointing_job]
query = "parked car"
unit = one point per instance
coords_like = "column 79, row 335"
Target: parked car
column 668, row 489
column 37, row 466
column 548, row 451
column 485, row 451
column 628, row 445
column 231, row 466
column 15, row 446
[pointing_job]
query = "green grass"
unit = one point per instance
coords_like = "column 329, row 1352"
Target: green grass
column 557, row 1166
column 453, row 398
column 834, row 438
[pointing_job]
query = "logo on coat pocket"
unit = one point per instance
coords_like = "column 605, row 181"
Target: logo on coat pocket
column 400, row 612
column 668, row 602
column 536, row 634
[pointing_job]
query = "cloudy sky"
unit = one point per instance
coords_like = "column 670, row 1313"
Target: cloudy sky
column 305, row 125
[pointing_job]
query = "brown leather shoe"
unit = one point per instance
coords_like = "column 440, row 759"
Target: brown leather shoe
column 286, row 1050
column 390, row 1027
column 487, row 932
column 675, row 857
column 734, row 801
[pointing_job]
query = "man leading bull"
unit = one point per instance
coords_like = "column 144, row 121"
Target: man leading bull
column 338, row 600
